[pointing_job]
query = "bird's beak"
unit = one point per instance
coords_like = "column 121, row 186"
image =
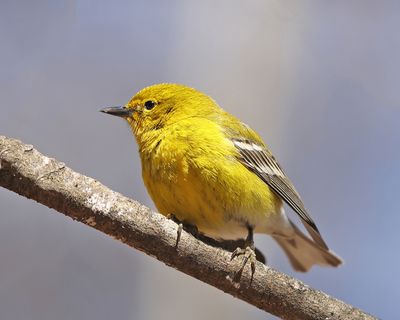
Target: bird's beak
column 118, row 111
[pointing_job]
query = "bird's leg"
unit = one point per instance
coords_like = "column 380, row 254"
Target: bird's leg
column 248, row 252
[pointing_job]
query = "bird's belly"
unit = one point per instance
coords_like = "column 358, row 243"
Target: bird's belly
column 220, row 204
column 208, row 214
column 189, row 204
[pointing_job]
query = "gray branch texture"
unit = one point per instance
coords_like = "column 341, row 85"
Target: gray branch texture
column 48, row 181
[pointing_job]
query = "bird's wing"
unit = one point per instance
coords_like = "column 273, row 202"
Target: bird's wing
column 257, row 158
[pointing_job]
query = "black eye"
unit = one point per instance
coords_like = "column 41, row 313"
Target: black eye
column 149, row 104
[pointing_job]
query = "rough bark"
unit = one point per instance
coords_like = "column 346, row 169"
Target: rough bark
column 48, row 181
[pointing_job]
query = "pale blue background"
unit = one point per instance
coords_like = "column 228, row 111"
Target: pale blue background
column 320, row 82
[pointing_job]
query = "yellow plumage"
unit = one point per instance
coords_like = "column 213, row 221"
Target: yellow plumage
column 205, row 167
column 193, row 172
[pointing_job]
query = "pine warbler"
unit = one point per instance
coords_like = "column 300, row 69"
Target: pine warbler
column 210, row 170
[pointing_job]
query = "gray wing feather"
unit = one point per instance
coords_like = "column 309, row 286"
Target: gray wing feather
column 260, row 160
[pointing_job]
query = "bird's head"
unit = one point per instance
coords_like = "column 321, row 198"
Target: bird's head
column 160, row 105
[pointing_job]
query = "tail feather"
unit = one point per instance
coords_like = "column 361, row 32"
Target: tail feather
column 303, row 252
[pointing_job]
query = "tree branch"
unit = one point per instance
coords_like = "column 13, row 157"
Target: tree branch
column 27, row 172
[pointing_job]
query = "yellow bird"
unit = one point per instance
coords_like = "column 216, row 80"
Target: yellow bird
column 209, row 169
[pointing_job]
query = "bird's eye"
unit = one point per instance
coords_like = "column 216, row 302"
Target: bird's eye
column 149, row 104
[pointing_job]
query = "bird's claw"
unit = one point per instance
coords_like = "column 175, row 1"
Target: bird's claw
column 188, row 227
column 172, row 217
column 249, row 255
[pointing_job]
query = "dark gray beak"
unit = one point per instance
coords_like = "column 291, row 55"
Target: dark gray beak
column 118, row 111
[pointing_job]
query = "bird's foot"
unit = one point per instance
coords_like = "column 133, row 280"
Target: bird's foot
column 188, row 227
column 249, row 255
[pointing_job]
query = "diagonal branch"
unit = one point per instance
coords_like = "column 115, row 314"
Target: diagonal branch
column 33, row 175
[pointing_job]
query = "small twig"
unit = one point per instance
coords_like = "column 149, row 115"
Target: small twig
column 84, row 199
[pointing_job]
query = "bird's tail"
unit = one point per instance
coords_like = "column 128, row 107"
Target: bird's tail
column 303, row 253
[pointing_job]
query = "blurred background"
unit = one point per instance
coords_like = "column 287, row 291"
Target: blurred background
column 318, row 80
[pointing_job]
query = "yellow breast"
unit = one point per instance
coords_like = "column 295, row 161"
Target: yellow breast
column 193, row 172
